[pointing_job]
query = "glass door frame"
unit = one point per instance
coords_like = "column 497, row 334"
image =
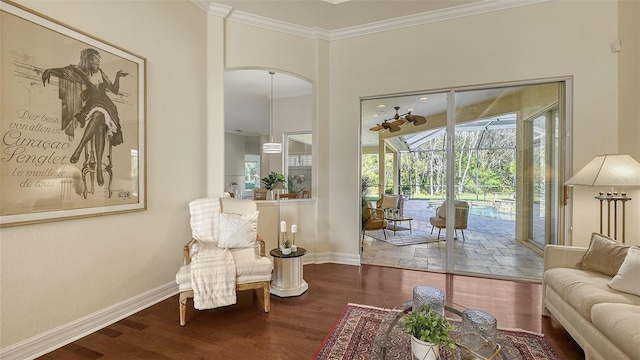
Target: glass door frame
column 564, row 158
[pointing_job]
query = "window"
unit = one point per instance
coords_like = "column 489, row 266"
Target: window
column 299, row 160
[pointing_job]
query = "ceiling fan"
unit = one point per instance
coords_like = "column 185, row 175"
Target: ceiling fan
column 398, row 120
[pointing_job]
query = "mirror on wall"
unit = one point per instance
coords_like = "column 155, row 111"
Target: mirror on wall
column 248, row 109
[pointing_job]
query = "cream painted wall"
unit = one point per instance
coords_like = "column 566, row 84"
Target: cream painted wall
column 543, row 40
column 629, row 102
column 46, row 268
column 55, row 273
column 251, row 47
column 214, row 100
column 629, row 87
column 551, row 39
column 301, row 212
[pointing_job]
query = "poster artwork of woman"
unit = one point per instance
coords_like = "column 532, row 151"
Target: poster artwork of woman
column 83, row 91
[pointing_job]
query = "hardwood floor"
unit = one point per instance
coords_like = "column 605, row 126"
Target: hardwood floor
column 296, row 327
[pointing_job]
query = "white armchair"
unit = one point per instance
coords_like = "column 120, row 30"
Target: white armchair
column 252, row 268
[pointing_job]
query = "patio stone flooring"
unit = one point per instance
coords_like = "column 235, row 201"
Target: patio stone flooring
column 490, row 248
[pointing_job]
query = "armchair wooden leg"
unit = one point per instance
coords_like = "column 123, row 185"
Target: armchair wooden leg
column 384, row 231
column 432, row 229
column 463, row 239
column 183, row 308
column 267, row 297
column 439, row 229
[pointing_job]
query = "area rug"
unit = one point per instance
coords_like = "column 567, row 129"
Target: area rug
column 354, row 334
column 402, row 238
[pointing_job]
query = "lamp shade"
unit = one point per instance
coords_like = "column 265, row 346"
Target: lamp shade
column 608, row 170
column 272, row 148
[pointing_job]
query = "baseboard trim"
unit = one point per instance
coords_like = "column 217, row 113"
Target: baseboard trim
column 330, row 257
column 55, row 338
column 67, row 333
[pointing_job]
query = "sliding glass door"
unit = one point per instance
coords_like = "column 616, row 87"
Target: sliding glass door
column 541, row 160
column 484, row 167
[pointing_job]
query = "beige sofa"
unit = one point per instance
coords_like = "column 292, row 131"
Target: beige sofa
column 603, row 321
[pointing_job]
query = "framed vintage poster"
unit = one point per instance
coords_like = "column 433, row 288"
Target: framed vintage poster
column 72, row 122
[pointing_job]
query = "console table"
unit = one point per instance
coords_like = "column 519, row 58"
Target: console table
column 287, row 273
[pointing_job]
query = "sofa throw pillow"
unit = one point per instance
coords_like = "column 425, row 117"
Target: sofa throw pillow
column 238, row 231
column 626, row 280
column 604, row 255
column 237, row 206
column 389, row 202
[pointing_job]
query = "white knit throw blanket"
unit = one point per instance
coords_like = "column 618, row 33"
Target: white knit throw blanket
column 213, row 277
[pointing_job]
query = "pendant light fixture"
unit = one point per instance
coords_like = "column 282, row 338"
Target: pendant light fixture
column 271, row 147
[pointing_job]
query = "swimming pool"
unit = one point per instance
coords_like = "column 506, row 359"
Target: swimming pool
column 491, row 212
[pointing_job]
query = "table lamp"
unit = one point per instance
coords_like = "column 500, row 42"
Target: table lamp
column 615, row 171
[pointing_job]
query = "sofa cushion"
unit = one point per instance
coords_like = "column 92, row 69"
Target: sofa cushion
column 582, row 289
column 249, row 263
column 604, row 255
column 628, row 277
column 250, row 267
column 619, row 323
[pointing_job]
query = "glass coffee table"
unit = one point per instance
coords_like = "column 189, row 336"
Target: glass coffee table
column 393, row 342
column 395, row 219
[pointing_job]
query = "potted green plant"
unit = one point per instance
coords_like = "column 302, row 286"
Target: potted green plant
column 429, row 330
column 286, row 250
column 406, row 191
column 270, row 180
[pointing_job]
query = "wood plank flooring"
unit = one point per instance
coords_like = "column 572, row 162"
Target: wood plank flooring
column 296, row 327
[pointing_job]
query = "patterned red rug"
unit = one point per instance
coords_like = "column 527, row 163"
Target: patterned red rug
column 354, row 334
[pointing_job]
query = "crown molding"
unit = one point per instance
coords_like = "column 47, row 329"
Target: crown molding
column 429, row 17
column 272, row 24
column 481, row 7
column 213, row 8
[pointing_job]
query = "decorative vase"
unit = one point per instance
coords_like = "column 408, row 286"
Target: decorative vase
column 286, row 251
column 423, row 350
column 270, row 195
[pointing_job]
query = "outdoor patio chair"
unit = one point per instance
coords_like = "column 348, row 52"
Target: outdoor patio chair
column 373, row 219
column 440, row 220
column 392, row 202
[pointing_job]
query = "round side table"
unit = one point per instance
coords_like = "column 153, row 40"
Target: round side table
column 287, row 273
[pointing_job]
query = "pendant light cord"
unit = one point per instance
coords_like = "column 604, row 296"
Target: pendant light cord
column 271, row 108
